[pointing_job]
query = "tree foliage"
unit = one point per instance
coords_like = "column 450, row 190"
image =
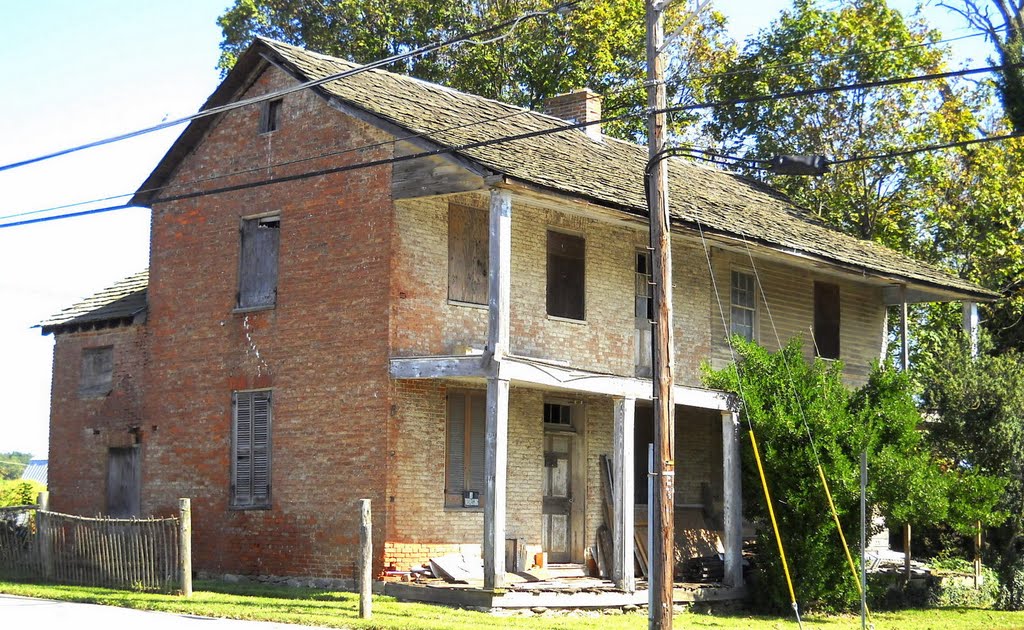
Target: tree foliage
column 860, row 41
column 1005, row 30
column 781, row 392
column 978, row 409
column 15, row 492
column 599, row 45
column 12, row 464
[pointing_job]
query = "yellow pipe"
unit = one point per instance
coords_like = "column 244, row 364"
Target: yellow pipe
column 775, row 525
column 842, row 537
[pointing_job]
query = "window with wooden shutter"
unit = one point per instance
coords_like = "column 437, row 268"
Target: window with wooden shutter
column 826, row 320
column 464, row 449
column 257, row 270
column 97, row 375
column 643, row 314
column 250, row 457
column 566, row 276
column 467, row 254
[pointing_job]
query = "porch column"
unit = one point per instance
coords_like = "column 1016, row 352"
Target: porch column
column 971, row 325
column 904, row 339
column 496, row 438
column 622, row 494
column 733, row 506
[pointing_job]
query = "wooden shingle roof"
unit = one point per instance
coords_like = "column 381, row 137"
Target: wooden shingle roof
column 119, row 304
column 608, row 172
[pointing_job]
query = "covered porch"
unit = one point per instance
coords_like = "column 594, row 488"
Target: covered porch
column 614, row 421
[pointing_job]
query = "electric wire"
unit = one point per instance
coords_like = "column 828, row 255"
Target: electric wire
column 296, row 88
column 581, row 125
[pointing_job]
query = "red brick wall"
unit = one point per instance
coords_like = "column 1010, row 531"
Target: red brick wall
column 83, row 428
column 322, row 349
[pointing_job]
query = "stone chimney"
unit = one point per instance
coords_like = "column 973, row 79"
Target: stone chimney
column 577, row 107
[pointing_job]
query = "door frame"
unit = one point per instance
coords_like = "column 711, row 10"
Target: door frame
column 578, row 475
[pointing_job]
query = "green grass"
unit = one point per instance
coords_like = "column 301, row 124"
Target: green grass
column 340, row 610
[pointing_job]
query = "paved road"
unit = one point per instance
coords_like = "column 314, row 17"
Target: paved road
column 25, row 612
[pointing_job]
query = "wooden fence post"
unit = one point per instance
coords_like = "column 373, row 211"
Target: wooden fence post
column 42, row 535
column 365, row 568
column 185, row 545
column 977, row 557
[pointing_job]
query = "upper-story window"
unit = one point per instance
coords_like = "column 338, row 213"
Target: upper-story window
column 257, row 271
column 97, row 375
column 744, row 304
column 826, row 320
column 643, row 313
column 566, row 276
column 270, row 115
column 467, row 254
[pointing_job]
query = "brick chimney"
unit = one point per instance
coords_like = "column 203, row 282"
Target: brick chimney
column 577, row 106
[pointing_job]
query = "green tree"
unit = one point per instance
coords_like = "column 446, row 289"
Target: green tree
column 599, row 44
column 12, row 464
column 859, row 41
column 15, row 492
column 780, row 393
column 978, row 406
column 1005, row 30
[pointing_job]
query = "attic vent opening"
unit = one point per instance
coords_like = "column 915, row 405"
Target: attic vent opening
column 270, row 115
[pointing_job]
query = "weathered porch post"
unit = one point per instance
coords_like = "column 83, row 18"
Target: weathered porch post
column 622, row 465
column 496, row 440
column 971, row 325
column 732, row 508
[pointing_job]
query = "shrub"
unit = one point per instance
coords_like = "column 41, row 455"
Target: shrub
column 19, row 492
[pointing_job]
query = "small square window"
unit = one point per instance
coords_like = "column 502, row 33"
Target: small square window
column 557, row 414
column 270, row 115
column 97, row 374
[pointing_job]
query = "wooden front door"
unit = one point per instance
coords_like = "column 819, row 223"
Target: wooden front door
column 123, row 482
column 557, row 511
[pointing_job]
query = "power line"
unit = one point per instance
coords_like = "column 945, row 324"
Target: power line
column 296, row 88
column 571, row 126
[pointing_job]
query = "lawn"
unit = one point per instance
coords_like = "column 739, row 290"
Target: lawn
column 339, row 610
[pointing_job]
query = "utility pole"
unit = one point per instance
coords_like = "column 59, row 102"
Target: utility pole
column 662, row 524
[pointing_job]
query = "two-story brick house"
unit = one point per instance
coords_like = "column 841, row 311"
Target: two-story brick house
column 351, row 285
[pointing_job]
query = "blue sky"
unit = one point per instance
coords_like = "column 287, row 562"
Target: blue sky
column 77, row 71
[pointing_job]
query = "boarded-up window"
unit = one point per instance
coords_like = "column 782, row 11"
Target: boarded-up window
column 467, row 254
column 97, row 374
column 744, row 299
column 124, row 482
column 257, row 272
column 566, row 281
column 464, row 457
column 826, row 320
column 250, row 456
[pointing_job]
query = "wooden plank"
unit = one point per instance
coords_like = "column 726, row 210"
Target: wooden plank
column 438, row 367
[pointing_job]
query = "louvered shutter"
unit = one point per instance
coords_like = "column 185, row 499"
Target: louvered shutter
column 477, row 442
column 456, row 448
column 261, row 448
column 250, row 478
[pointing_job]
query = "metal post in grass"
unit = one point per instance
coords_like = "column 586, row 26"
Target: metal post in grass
column 185, row 545
column 365, row 568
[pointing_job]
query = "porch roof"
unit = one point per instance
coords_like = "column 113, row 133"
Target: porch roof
column 548, row 375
